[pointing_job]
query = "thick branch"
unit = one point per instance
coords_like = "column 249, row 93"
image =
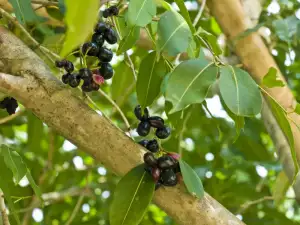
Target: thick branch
column 57, row 106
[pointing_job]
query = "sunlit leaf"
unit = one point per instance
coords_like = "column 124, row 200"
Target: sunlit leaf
column 271, row 79
column 129, row 39
column 140, row 12
column 280, row 187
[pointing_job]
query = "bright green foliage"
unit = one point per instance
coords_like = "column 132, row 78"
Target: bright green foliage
column 24, row 12
column 131, row 36
column 140, row 12
column 133, row 194
column 271, row 80
column 280, row 187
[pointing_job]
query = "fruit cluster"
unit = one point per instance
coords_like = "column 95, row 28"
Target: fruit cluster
column 10, row 104
column 93, row 79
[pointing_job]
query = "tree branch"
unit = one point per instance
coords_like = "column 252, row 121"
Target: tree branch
column 3, row 210
column 57, row 106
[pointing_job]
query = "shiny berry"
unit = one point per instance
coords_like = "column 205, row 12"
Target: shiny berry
column 87, row 87
column 163, row 133
column 69, row 67
column 60, row 64
column 143, row 143
column 156, row 122
column 90, row 49
column 152, row 146
column 155, row 174
column 106, row 70
column 101, row 28
column 106, row 13
column 139, row 115
column 150, row 159
column 65, row 78
column 74, row 80
column 113, row 10
column 98, row 39
column 111, row 36
column 85, row 74
column 143, row 128
column 166, row 162
column 169, row 178
column 105, row 55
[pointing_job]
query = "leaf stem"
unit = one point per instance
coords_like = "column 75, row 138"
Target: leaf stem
column 11, row 117
column 198, row 16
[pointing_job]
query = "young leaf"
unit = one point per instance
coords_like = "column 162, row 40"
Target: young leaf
column 191, row 180
column 185, row 13
column 173, row 33
column 189, row 83
column 80, row 19
column 129, row 39
column 207, row 38
column 239, row 91
column 281, row 186
column 149, row 79
column 271, row 79
column 140, row 12
column 297, row 109
column 132, row 196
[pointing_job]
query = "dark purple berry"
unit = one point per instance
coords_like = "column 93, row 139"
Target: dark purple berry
column 155, row 174
column 65, row 78
column 111, row 36
column 158, row 185
column 177, row 168
column 106, row 70
column 95, row 86
column 69, row 67
column 74, row 80
column 143, row 143
column 5, row 102
column 139, row 115
column 106, row 13
column 98, row 39
column 86, row 74
column 101, row 28
column 152, row 146
column 60, row 64
column 113, row 10
column 150, row 159
column 156, row 122
column 163, row 133
column 105, row 55
column 90, row 49
column 169, row 178
column 166, row 162
column 143, row 128
column 10, row 104
column 87, row 87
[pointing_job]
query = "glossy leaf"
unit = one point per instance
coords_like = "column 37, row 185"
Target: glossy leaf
column 173, row 33
column 24, row 12
column 150, row 77
column 185, row 13
column 80, row 19
column 132, row 196
column 271, row 79
column 129, row 39
column 140, row 12
column 280, row 188
column 189, row 83
column 191, row 180
column 239, row 91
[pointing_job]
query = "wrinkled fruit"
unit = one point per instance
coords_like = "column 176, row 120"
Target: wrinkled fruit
column 152, row 146
column 169, row 178
column 166, row 162
column 150, row 159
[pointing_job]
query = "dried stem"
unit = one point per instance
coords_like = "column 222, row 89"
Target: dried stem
column 3, row 210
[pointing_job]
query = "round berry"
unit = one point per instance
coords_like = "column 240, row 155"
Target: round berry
column 156, row 122
column 143, row 143
column 143, row 128
column 111, row 36
column 153, row 146
column 163, row 133
column 106, row 13
column 114, row 10
column 155, row 174
column 86, row 87
column 65, row 78
column 166, row 162
column 139, row 115
column 177, row 168
column 86, row 74
column 74, row 80
column 105, row 55
column 95, row 86
column 106, row 70
column 90, row 49
column 5, row 102
column 98, row 39
column 169, row 178
column 101, row 28
column 150, row 159
column 60, row 64
column 69, row 67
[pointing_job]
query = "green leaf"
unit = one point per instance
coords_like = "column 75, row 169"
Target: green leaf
column 239, row 91
column 129, row 39
column 24, row 12
column 150, row 77
column 132, row 196
column 286, row 28
column 35, row 188
column 35, row 133
column 297, row 109
column 80, row 19
column 207, row 38
column 271, row 79
column 185, row 13
column 173, row 33
column 191, row 180
column 280, row 187
column 189, row 83
column 140, row 12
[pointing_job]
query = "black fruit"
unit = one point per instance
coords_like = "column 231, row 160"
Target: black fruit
column 69, row 67
column 163, row 133
column 101, row 28
column 86, row 74
column 90, row 49
column 106, row 70
column 106, row 13
column 65, row 78
column 169, row 178
column 111, row 36
column 10, row 104
column 155, row 174
column 166, row 162
column 152, row 146
column 177, row 168
column 113, row 10
column 143, row 143
column 95, row 86
column 74, row 80
column 60, row 64
column 98, row 39
column 5, row 102
column 143, row 128
column 87, row 87
column 139, row 115
column 105, row 55
column 150, row 159
column 158, row 185
column 156, row 122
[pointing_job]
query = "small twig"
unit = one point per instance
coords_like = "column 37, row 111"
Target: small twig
column 182, row 131
column 3, row 210
column 44, row 2
column 11, row 117
column 76, row 209
column 198, row 17
column 246, row 205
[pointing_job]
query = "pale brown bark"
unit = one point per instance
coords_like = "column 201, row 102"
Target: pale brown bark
column 32, row 83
